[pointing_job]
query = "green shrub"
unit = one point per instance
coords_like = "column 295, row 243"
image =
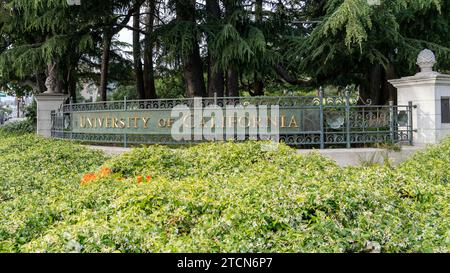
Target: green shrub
column 5, row 110
column 220, row 197
column 37, row 179
column 18, row 127
column 123, row 91
column 31, row 112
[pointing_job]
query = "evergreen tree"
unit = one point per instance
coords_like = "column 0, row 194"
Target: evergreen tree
column 367, row 45
column 240, row 46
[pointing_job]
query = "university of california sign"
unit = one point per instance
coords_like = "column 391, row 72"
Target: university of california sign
column 200, row 123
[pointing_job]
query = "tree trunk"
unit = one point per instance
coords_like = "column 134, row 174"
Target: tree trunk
column 232, row 83
column 215, row 75
column 232, row 74
column 192, row 63
column 371, row 89
column 287, row 77
column 72, row 84
column 376, row 89
column 105, row 64
column 389, row 91
column 149, row 78
column 259, row 11
column 139, row 76
column 258, row 86
column 40, row 82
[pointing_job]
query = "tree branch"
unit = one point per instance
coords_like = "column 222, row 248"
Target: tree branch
column 287, row 77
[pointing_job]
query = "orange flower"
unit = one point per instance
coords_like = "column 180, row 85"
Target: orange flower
column 139, row 179
column 148, row 178
column 105, row 172
column 88, row 178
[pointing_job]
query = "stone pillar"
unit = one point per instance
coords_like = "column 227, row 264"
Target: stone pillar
column 46, row 103
column 49, row 101
column 427, row 89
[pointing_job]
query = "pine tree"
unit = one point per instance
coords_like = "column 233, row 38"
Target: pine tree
column 243, row 45
column 367, row 45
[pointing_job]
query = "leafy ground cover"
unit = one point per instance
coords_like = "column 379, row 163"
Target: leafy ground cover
column 60, row 197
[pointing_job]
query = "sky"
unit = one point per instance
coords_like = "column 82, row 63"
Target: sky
column 126, row 35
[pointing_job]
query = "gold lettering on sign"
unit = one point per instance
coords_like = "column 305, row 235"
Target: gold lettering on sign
column 161, row 123
column 145, row 120
column 293, row 123
column 256, row 122
column 107, row 122
column 272, row 122
column 283, row 121
column 244, row 122
column 82, row 122
column 90, row 123
column 129, row 123
column 114, row 123
column 141, row 122
column 121, row 123
column 100, row 122
column 231, row 122
column 170, row 122
column 136, row 122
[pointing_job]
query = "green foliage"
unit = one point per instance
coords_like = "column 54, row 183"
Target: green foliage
column 37, row 177
column 5, row 110
column 328, row 42
column 34, row 34
column 353, row 16
column 217, row 197
column 18, row 127
column 353, row 37
column 31, row 112
column 125, row 91
column 169, row 86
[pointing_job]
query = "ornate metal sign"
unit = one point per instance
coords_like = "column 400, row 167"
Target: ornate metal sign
column 302, row 121
column 152, row 121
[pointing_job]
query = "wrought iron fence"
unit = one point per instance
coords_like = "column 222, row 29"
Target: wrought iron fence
column 334, row 121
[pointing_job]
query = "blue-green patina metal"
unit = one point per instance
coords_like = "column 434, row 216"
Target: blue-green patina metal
column 335, row 121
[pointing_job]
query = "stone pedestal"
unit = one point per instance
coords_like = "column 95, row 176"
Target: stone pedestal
column 426, row 90
column 46, row 103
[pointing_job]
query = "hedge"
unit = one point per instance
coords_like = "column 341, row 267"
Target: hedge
column 18, row 127
column 217, row 197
